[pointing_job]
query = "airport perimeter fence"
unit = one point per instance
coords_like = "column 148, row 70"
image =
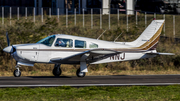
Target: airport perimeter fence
column 94, row 18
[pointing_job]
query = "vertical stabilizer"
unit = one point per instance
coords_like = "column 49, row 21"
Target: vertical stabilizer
column 150, row 37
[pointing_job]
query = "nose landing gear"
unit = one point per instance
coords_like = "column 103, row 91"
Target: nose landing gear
column 17, row 72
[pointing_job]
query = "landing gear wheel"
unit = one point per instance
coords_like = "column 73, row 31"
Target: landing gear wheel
column 17, row 73
column 57, row 71
column 80, row 74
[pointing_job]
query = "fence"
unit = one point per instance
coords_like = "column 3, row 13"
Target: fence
column 91, row 18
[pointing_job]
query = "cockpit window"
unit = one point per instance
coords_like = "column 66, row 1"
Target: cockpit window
column 80, row 44
column 61, row 42
column 48, row 40
column 93, row 45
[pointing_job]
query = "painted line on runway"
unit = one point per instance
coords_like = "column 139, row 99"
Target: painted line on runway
column 86, row 85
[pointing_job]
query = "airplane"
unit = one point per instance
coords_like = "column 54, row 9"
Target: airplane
column 67, row 49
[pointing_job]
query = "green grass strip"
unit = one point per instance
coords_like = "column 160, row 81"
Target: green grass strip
column 91, row 93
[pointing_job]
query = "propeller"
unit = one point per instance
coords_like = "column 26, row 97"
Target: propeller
column 8, row 42
column 9, row 49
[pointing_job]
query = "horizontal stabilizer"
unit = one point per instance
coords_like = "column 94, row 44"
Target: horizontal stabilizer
column 160, row 53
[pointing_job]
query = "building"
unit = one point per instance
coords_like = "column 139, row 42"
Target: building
column 63, row 5
column 17, row 3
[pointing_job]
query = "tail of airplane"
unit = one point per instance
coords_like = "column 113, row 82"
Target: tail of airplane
column 149, row 39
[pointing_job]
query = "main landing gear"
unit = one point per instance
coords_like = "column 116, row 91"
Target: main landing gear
column 57, row 70
column 17, row 72
column 79, row 73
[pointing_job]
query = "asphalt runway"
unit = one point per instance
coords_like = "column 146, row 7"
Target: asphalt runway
column 115, row 80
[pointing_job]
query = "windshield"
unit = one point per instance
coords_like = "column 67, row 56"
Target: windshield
column 48, row 40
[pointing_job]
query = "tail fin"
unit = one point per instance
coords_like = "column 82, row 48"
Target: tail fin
column 149, row 39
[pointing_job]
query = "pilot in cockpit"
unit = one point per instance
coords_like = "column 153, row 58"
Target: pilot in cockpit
column 60, row 43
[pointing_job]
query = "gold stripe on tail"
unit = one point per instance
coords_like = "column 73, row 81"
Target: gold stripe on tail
column 153, row 41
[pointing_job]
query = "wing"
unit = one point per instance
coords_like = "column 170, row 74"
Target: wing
column 92, row 56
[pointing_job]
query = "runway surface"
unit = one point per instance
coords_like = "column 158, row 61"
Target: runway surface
column 116, row 80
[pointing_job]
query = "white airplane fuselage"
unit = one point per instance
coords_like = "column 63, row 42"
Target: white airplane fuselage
column 40, row 53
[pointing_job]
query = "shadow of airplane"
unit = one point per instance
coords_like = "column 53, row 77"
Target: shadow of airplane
column 49, row 77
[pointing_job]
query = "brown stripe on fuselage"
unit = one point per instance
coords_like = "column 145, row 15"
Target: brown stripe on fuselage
column 52, row 49
column 81, row 50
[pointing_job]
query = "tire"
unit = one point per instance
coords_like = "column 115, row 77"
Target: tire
column 17, row 73
column 57, row 72
column 80, row 74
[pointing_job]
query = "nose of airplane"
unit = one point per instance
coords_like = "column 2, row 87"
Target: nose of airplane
column 8, row 49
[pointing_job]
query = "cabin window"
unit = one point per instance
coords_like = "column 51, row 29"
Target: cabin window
column 93, row 45
column 61, row 42
column 80, row 44
column 47, row 41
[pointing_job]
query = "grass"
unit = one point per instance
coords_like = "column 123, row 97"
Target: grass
column 125, row 93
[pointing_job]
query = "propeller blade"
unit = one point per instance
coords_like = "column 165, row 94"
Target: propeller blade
column 7, row 39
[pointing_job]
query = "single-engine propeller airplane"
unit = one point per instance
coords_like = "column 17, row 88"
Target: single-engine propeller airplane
column 67, row 49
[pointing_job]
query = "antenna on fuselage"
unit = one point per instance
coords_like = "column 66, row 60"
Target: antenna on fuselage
column 117, row 37
column 101, row 35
